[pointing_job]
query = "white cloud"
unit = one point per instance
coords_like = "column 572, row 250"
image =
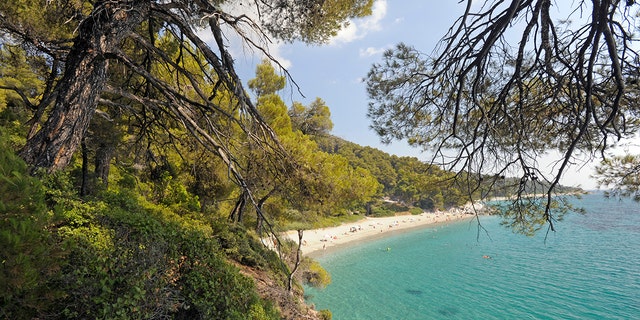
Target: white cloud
column 277, row 54
column 240, row 49
column 356, row 29
column 372, row 23
column 371, row 51
column 346, row 34
column 359, row 28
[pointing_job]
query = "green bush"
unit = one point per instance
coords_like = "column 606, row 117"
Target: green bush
column 30, row 259
column 316, row 275
column 140, row 260
column 325, row 314
column 388, row 209
column 396, row 207
column 381, row 211
column 125, row 258
column 117, row 255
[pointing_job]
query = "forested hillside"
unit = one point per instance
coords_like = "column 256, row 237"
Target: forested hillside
column 141, row 178
column 146, row 222
column 160, row 229
column 137, row 173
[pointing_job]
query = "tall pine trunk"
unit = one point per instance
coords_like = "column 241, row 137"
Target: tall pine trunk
column 102, row 162
column 84, row 78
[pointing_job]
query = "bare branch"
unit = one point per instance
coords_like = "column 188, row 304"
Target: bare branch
column 489, row 106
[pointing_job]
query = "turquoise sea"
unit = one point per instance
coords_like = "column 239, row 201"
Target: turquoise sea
column 588, row 269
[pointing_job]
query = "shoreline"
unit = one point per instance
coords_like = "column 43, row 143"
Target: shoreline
column 323, row 241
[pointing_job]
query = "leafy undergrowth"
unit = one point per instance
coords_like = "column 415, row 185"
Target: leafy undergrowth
column 118, row 256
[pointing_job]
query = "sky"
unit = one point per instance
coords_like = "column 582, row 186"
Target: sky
column 334, row 72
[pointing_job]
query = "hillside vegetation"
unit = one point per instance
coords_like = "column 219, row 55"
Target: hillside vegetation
column 145, row 224
column 161, row 230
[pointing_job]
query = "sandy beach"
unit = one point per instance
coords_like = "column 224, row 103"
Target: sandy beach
column 318, row 242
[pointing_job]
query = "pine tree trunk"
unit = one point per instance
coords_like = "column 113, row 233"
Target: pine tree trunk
column 84, row 187
column 84, row 78
column 259, row 213
column 102, row 161
column 236, row 213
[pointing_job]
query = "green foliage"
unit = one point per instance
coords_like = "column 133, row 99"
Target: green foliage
column 266, row 80
column 275, row 114
column 17, row 75
column 528, row 215
column 397, row 207
column 312, row 120
column 245, row 248
column 321, row 183
column 380, row 212
column 315, row 275
column 403, row 179
column 126, row 258
column 177, row 196
column 45, row 22
column 621, row 175
column 143, row 246
column 295, row 220
column 29, row 259
column 134, row 259
column 260, row 312
column 388, row 209
column 313, row 21
column 326, row 314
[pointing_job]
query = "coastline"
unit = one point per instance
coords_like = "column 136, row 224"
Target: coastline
column 319, row 242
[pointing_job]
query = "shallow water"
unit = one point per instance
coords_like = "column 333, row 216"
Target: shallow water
column 588, row 269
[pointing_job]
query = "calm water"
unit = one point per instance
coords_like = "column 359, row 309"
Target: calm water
column 588, row 269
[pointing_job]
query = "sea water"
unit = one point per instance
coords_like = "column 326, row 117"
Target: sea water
column 588, row 269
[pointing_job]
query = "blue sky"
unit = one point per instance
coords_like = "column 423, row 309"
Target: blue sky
column 334, row 71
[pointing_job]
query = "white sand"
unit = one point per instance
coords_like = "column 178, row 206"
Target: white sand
column 320, row 241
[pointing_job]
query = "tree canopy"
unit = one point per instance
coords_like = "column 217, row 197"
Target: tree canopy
column 148, row 91
column 144, row 92
column 149, row 61
column 511, row 80
column 621, row 174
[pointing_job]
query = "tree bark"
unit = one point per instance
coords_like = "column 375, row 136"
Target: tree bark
column 236, row 213
column 259, row 214
column 85, row 76
column 84, row 187
column 297, row 262
column 102, row 161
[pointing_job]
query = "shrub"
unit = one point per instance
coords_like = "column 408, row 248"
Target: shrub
column 325, row 314
column 380, row 211
column 30, row 259
column 134, row 259
column 316, row 275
